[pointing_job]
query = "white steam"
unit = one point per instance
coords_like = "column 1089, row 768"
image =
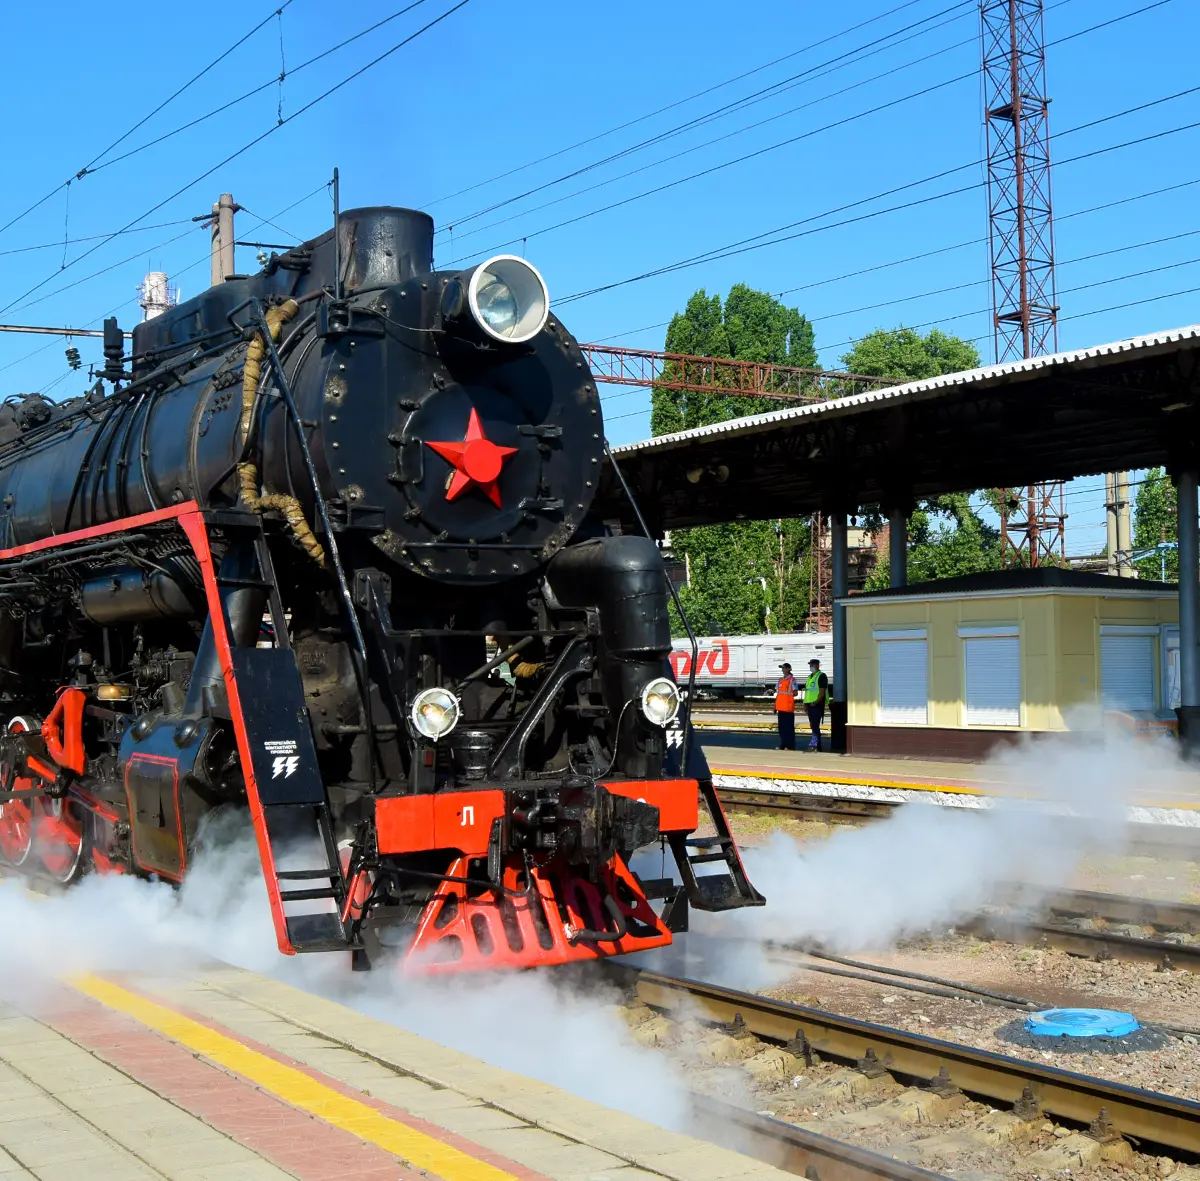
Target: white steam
column 533, row 1023
column 1060, row 800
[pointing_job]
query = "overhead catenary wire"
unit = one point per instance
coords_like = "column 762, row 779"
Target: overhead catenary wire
column 968, row 75
column 820, row 70
column 1169, row 266
column 19, row 301
column 161, row 225
column 669, row 106
column 259, row 89
column 849, row 57
column 975, row 340
column 175, row 274
column 928, row 254
column 757, row 242
column 91, row 165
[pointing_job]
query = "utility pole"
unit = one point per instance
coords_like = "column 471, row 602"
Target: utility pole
column 222, row 238
column 1119, row 525
column 1021, row 239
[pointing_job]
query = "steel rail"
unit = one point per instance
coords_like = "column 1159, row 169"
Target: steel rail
column 1094, row 945
column 1117, row 908
column 807, row 1154
column 1146, row 1116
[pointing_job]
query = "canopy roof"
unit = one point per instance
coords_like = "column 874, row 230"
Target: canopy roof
column 1129, row 404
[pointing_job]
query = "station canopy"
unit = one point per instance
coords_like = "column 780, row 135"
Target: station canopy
column 1122, row 406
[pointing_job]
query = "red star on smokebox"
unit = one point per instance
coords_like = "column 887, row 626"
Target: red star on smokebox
column 477, row 460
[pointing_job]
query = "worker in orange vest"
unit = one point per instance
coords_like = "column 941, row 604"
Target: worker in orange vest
column 785, row 708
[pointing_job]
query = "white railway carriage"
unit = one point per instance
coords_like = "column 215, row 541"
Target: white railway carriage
column 734, row 666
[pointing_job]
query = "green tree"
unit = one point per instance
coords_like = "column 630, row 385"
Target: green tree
column 946, row 536
column 746, row 574
column 1154, row 521
column 905, row 354
column 748, row 326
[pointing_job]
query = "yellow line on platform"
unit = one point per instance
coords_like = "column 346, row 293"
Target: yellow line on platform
column 848, row 780
column 295, row 1087
column 910, row 785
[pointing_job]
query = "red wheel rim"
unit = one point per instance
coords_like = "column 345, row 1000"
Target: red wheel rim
column 16, row 816
column 59, row 838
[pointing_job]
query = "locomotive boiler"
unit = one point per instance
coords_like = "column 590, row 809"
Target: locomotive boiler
column 316, row 558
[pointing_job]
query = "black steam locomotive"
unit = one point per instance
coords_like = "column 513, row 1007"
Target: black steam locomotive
column 320, row 559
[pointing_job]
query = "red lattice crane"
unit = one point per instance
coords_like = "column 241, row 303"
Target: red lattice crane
column 713, row 375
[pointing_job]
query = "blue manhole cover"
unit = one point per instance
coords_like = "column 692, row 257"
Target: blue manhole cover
column 1081, row 1023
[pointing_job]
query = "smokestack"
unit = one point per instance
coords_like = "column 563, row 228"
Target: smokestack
column 155, row 295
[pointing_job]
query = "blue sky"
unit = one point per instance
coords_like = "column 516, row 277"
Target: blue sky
column 494, row 87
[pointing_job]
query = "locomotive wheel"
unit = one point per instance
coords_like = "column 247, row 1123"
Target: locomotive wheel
column 60, row 842
column 17, row 816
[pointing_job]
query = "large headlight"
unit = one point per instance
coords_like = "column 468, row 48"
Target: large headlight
column 434, row 712
column 508, row 299
column 660, row 701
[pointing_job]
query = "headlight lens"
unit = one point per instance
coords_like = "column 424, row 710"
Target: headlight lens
column 660, row 701
column 434, row 713
column 508, row 299
column 498, row 307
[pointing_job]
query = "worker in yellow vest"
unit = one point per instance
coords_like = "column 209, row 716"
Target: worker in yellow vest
column 785, row 707
column 816, row 690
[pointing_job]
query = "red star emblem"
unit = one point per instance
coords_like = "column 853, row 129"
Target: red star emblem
column 477, row 460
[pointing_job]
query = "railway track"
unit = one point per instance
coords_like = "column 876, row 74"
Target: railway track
column 917, row 1070
column 807, row 1154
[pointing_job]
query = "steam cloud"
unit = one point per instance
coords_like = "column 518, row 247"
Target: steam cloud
column 1059, row 800
column 534, row 1023
column 862, row 888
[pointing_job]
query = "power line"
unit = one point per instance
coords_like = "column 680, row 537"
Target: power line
column 840, row 61
column 787, row 142
column 162, row 225
column 90, row 166
column 1170, row 266
column 984, row 282
column 755, row 242
column 175, row 274
column 719, row 139
column 260, row 88
column 976, row 339
column 247, row 146
column 927, row 254
column 669, row 107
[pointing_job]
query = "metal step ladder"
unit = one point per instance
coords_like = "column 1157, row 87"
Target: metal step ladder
column 287, row 795
column 719, row 891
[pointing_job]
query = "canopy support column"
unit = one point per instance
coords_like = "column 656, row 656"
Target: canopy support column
column 1189, row 612
column 841, row 587
column 898, row 546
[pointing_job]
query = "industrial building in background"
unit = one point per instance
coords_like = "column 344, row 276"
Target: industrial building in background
column 1021, row 243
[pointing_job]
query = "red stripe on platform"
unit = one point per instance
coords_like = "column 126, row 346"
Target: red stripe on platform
column 293, row 1140
column 416, row 1122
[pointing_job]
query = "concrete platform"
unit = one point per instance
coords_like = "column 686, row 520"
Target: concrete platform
column 225, row 1075
column 1158, row 797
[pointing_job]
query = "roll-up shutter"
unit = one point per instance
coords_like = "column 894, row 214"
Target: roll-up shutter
column 993, row 678
column 1127, row 672
column 904, row 681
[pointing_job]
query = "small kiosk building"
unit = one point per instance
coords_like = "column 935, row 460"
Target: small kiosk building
column 949, row 669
